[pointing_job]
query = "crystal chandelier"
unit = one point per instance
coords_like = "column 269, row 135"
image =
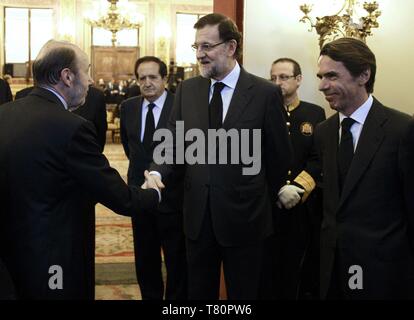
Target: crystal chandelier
column 114, row 21
column 344, row 22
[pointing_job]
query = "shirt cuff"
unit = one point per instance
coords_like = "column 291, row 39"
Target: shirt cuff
column 159, row 175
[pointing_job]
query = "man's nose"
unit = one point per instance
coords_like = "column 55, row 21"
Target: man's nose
column 323, row 85
column 200, row 53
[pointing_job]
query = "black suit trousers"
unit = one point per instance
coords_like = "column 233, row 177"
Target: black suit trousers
column 152, row 231
column 242, row 266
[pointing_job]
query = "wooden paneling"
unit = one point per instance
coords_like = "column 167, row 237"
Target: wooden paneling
column 234, row 9
column 113, row 62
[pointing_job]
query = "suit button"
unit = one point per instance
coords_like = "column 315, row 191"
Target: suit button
column 288, row 124
column 289, row 172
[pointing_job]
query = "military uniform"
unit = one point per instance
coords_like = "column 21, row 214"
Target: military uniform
column 297, row 229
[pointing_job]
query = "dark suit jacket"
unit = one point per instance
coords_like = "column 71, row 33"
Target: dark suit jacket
column 94, row 110
column 372, row 223
column 52, row 169
column 139, row 159
column 240, row 204
column 5, row 92
column 6, row 284
column 133, row 91
column 23, row 93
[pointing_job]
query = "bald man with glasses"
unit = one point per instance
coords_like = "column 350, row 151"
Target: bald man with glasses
column 297, row 227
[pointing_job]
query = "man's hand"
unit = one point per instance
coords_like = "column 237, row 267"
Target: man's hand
column 289, row 196
column 152, row 181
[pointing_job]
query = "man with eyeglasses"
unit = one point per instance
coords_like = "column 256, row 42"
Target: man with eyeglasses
column 228, row 215
column 297, row 227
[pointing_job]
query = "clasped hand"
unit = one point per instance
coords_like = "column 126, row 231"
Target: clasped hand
column 289, row 196
column 152, row 181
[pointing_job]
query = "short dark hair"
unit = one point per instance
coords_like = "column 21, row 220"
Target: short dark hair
column 296, row 67
column 355, row 55
column 162, row 66
column 227, row 29
column 47, row 67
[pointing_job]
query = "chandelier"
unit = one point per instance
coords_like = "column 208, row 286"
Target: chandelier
column 114, row 21
column 342, row 24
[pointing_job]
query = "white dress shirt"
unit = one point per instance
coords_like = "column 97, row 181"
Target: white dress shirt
column 359, row 116
column 156, row 111
column 227, row 93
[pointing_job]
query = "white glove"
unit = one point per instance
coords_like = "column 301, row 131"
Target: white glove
column 289, row 196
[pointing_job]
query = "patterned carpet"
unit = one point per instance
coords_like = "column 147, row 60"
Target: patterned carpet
column 114, row 258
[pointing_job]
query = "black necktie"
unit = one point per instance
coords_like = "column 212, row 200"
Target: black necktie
column 216, row 107
column 149, row 128
column 345, row 150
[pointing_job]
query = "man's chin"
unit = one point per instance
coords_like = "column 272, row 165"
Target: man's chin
column 77, row 105
column 205, row 72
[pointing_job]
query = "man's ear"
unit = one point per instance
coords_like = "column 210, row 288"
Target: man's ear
column 66, row 76
column 299, row 79
column 232, row 46
column 364, row 77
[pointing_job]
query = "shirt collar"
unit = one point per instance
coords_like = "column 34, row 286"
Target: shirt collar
column 159, row 102
column 57, row 94
column 360, row 114
column 295, row 103
column 231, row 79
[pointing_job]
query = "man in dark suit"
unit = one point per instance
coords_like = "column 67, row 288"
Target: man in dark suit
column 227, row 210
column 160, row 228
column 52, row 169
column 5, row 92
column 366, row 152
column 297, row 229
column 94, row 110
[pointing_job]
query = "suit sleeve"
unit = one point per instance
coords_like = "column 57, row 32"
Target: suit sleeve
column 91, row 170
column 278, row 149
column 407, row 174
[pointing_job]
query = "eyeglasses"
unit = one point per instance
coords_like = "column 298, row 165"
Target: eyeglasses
column 205, row 47
column 282, row 78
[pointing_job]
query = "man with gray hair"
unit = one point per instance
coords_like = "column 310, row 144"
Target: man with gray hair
column 51, row 170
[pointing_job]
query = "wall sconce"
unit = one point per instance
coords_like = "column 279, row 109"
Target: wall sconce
column 162, row 35
column 344, row 23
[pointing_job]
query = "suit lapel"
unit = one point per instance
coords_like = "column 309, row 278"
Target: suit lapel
column 330, row 158
column 370, row 139
column 137, row 119
column 166, row 110
column 239, row 101
column 202, row 104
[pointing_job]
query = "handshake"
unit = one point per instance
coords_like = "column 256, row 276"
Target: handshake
column 153, row 181
column 289, row 196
